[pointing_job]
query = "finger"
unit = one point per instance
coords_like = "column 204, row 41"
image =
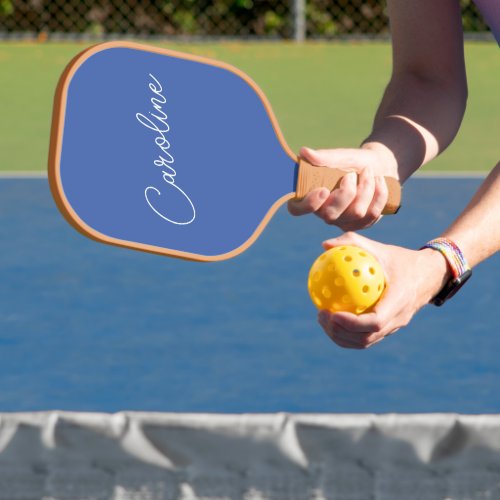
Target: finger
column 335, row 328
column 366, row 209
column 341, row 340
column 358, row 209
column 356, row 215
column 375, row 341
column 380, row 197
column 359, row 341
column 341, row 336
column 384, row 319
column 378, row 250
column 352, row 159
column 311, row 203
column 353, row 341
column 374, row 210
column 340, row 199
column 394, row 310
column 357, row 224
column 362, row 324
column 319, row 158
column 362, row 340
column 345, row 344
column 348, row 238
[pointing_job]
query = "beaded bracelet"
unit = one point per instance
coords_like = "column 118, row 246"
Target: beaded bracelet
column 452, row 254
column 459, row 267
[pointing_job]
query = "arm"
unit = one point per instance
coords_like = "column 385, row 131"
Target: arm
column 415, row 277
column 424, row 103
column 419, row 115
column 477, row 230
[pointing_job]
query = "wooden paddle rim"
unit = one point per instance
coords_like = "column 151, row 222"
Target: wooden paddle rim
column 56, row 139
column 311, row 177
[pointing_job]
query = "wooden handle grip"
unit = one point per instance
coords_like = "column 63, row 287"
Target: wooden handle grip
column 311, row 177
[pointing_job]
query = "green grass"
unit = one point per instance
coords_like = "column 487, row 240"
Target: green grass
column 324, row 95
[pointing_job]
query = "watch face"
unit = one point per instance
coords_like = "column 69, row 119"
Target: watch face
column 451, row 288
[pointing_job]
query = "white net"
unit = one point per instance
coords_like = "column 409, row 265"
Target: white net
column 155, row 456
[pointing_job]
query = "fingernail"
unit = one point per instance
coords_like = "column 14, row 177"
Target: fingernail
column 324, row 194
column 306, row 150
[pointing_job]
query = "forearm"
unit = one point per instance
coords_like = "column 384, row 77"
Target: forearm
column 416, row 120
column 477, row 230
column 424, row 103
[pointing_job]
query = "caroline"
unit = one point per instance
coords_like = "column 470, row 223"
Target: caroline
column 157, row 122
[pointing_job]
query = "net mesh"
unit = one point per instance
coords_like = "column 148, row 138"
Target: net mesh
column 205, row 18
column 154, row 456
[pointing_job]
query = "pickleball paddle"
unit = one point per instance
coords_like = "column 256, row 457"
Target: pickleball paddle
column 172, row 153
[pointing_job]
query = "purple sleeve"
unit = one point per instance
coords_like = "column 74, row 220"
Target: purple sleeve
column 490, row 9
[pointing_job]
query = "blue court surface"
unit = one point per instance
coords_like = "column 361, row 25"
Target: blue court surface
column 90, row 327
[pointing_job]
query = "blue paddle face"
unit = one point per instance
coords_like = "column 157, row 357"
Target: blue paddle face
column 166, row 153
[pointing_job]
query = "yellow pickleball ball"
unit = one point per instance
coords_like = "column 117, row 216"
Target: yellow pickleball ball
column 346, row 278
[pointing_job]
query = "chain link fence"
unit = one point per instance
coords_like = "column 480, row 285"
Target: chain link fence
column 283, row 19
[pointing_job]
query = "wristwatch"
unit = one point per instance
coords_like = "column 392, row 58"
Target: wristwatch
column 460, row 270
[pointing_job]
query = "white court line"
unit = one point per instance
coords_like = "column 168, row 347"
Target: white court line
column 453, row 174
column 35, row 174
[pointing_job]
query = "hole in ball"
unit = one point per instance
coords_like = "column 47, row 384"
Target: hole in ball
column 317, row 300
column 356, row 273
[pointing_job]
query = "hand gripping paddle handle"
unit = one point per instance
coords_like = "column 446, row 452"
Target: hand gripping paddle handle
column 311, row 177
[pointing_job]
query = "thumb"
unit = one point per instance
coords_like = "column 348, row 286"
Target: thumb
column 351, row 159
column 349, row 238
column 314, row 157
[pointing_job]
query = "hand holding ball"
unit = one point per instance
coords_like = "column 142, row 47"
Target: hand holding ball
column 346, row 278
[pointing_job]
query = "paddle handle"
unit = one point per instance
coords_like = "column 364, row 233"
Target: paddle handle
column 311, row 177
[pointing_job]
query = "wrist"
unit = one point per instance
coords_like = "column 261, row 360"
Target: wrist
column 457, row 265
column 437, row 272
column 388, row 165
